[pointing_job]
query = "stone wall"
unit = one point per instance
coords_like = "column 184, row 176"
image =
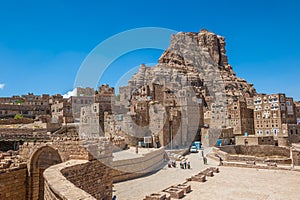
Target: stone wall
column 58, row 187
column 93, row 177
column 68, row 148
column 254, row 140
column 137, row 167
column 257, row 150
column 295, row 151
column 13, row 183
column 16, row 121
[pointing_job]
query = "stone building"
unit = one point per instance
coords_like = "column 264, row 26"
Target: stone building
column 270, row 112
column 297, row 110
column 85, row 91
column 240, row 118
column 30, row 106
column 77, row 103
column 295, row 154
column 90, row 122
column 172, row 115
column 105, row 97
column 55, row 99
column 292, row 132
column 62, row 112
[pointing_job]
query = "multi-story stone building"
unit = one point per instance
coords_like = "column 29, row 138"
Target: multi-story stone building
column 270, row 112
column 240, row 118
column 30, row 106
column 293, row 132
column 78, row 102
column 105, row 97
column 297, row 110
column 172, row 115
column 62, row 111
column 90, row 122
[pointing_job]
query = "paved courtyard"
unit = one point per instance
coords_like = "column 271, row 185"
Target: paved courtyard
column 231, row 183
column 248, row 184
column 138, row 188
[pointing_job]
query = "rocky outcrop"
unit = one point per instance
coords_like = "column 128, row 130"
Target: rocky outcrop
column 198, row 60
column 194, row 68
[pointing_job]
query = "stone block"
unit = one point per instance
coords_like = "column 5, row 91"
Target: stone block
column 249, row 162
column 207, row 172
column 272, row 164
column 184, row 186
column 175, row 193
column 199, row 178
column 214, row 169
column 158, row 196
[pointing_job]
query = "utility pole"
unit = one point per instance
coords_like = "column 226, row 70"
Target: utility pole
column 171, row 133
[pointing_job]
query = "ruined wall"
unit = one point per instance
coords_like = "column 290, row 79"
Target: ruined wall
column 137, row 167
column 13, row 183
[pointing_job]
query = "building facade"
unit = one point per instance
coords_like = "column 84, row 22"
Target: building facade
column 270, row 112
column 241, row 118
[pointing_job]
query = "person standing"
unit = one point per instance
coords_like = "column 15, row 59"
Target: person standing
column 221, row 160
column 205, row 160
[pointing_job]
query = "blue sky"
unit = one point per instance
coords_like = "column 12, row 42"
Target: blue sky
column 43, row 43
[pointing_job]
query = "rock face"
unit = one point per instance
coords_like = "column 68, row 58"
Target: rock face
column 198, row 60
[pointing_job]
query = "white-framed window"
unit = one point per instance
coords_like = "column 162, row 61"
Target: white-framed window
column 257, row 101
column 275, row 131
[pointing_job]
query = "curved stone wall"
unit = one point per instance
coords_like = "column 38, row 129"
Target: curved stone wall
column 77, row 179
column 137, row 167
column 82, row 179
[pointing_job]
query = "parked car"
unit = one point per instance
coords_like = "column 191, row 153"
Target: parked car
column 193, row 149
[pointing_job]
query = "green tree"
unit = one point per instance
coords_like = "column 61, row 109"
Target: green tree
column 18, row 116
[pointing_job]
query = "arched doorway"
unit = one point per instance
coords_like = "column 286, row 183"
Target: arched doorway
column 41, row 159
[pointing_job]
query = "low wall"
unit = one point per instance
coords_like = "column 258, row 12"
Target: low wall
column 258, row 153
column 16, row 121
column 137, row 167
column 78, row 179
column 257, row 150
column 13, row 183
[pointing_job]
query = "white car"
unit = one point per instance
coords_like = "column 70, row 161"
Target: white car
column 193, row 149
